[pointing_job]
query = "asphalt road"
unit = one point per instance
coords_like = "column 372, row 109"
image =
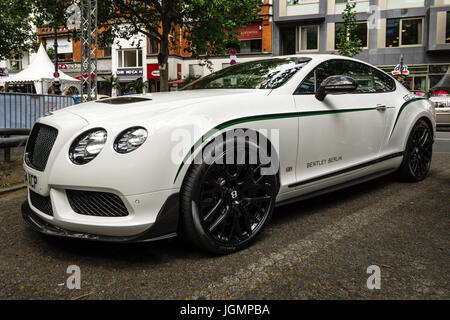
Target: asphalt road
column 315, row 249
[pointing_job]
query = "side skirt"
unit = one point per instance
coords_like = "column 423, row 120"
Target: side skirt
column 335, row 187
column 353, row 168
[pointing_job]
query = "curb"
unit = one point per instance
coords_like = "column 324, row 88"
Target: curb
column 11, row 189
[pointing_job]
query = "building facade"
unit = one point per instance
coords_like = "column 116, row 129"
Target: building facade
column 256, row 40
column 418, row 30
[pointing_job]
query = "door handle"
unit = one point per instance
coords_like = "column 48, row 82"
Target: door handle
column 381, row 107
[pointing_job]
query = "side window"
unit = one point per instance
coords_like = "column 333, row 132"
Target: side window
column 383, row 82
column 367, row 78
column 308, row 85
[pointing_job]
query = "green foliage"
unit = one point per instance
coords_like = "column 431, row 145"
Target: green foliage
column 15, row 29
column 137, row 84
column 51, row 53
column 51, row 13
column 210, row 25
column 348, row 43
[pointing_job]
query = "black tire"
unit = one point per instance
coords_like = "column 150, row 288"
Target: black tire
column 418, row 153
column 224, row 207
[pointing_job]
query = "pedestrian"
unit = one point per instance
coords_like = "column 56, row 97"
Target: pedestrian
column 131, row 91
column 402, row 80
column 76, row 97
column 51, row 90
column 2, row 89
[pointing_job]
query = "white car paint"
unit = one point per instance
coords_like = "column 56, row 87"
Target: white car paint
column 146, row 177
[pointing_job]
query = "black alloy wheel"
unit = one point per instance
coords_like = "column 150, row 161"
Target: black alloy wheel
column 224, row 206
column 418, row 154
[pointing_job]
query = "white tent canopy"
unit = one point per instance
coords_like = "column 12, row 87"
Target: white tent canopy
column 40, row 73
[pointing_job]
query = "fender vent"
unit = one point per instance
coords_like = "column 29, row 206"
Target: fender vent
column 99, row 204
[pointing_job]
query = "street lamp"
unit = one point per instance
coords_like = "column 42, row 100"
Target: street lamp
column 56, row 82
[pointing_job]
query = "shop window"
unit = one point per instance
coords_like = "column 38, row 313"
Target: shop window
column 404, row 32
column 250, row 46
column 308, row 38
column 361, row 33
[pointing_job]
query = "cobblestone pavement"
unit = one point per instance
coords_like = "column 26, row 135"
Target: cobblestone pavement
column 315, row 249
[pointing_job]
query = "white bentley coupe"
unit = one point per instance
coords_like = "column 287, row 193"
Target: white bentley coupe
column 211, row 161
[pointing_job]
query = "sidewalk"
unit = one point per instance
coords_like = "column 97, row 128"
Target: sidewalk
column 11, row 173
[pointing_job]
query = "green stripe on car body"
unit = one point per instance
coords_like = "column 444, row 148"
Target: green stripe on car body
column 259, row 118
column 401, row 110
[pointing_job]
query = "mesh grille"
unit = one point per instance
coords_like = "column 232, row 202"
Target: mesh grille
column 100, row 204
column 40, row 144
column 41, row 203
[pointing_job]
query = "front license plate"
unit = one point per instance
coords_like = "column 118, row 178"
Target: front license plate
column 31, row 180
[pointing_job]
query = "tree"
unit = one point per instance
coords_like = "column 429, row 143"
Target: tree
column 209, row 26
column 15, row 29
column 111, row 82
column 52, row 13
column 348, row 43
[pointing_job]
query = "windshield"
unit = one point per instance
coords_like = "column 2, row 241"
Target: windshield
column 260, row 74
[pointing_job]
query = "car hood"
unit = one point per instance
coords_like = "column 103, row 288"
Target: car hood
column 156, row 103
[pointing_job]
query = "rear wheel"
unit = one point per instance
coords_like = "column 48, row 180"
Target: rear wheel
column 225, row 206
column 418, row 153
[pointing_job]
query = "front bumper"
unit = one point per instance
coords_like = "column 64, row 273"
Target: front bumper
column 164, row 227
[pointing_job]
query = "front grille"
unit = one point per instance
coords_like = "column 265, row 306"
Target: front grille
column 41, row 203
column 39, row 146
column 99, row 204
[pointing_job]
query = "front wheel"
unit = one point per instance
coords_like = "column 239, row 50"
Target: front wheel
column 225, row 206
column 417, row 157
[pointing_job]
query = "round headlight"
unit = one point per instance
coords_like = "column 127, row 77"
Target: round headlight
column 130, row 139
column 87, row 146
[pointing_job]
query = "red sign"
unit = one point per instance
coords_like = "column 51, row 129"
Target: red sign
column 56, row 75
column 153, row 70
column 251, row 32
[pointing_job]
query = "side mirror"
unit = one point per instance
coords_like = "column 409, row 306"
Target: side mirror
column 335, row 85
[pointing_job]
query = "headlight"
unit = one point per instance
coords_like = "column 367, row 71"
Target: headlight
column 130, row 139
column 87, row 146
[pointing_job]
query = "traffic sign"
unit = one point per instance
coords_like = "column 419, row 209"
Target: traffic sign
column 56, row 75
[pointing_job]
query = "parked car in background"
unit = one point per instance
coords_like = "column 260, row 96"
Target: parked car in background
column 442, row 106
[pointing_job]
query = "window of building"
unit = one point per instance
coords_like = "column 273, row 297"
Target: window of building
column 308, row 38
column 107, row 51
column 361, row 5
column 288, row 41
column 152, row 46
column 368, row 79
column 302, row 7
column 130, row 58
column 15, row 64
column 447, row 30
column 401, row 4
column 404, row 32
column 361, row 33
column 249, row 46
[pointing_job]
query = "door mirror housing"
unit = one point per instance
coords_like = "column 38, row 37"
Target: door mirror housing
column 336, row 85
